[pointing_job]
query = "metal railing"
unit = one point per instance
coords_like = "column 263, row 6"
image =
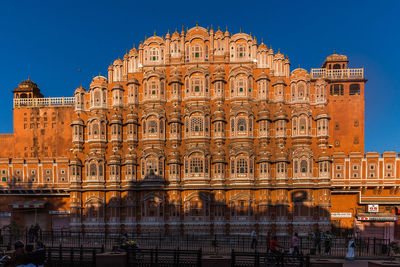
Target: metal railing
column 44, row 102
column 337, row 73
column 209, row 244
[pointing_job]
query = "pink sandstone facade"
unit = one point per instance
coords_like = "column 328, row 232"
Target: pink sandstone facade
column 201, row 131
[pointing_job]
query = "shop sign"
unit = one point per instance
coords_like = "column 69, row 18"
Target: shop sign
column 5, row 214
column 341, row 215
column 376, row 218
column 59, row 212
column 373, row 208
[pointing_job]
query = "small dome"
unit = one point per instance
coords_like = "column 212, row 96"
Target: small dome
column 117, row 62
column 263, row 46
column 336, row 57
column 79, row 90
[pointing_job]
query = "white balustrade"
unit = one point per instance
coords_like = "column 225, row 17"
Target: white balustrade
column 337, row 73
column 44, row 102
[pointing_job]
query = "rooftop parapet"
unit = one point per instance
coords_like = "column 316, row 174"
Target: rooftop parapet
column 44, row 102
column 337, row 73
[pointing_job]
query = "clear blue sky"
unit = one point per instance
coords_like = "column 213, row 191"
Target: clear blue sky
column 50, row 40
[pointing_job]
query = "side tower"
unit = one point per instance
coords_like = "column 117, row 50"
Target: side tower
column 346, row 104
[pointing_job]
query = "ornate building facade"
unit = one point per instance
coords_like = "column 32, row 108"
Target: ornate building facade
column 200, row 131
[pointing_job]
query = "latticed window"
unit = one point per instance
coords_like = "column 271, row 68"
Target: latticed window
column 153, row 88
column 151, row 167
column 303, row 166
column 197, row 52
column 241, row 86
column 196, row 124
column 197, row 85
column 154, row 54
column 241, row 51
column 241, row 124
column 196, row 165
column 152, row 126
column 241, row 166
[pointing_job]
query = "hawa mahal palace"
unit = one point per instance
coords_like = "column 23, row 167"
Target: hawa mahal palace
column 205, row 132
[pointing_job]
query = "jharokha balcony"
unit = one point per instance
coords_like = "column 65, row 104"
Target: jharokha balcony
column 337, row 73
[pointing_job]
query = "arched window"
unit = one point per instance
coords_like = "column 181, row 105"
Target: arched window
column 303, row 166
column 241, row 86
column 196, row 124
column 197, row 52
column 151, row 167
column 241, row 124
column 240, row 51
column 95, row 128
column 196, row 165
column 93, row 170
column 152, row 126
column 241, row 166
column 153, row 54
column 301, row 91
column 97, row 96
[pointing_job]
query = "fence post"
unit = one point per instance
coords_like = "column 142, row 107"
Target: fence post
column 94, row 258
column 71, row 257
column 233, row 258
column 374, row 246
column 156, row 256
column 49, row 257
column 60, row 253
column 81, row 255
column 52, row 238
column 257, row 259
column 199, row 255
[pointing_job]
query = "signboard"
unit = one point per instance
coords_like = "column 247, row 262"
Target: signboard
column 377, row 218
column 59, row 212
column 341, row 215
column 373, row 208
column 5, row 214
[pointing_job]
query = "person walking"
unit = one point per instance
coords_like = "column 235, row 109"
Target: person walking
column 328, row 243
column 268, row 240
column 253, row 236
column 317, row 242
column 274, row 245
column 350, row 249
column 295, row 244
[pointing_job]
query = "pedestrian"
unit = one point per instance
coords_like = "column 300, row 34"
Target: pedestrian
column 328, row 243
column 253, row 236
column 350, row 249
column 295, row 244
column 39, row 255
column 274, row 245
column 31, row 234
column 268, row 240
column 317, row 242
column 18, row 258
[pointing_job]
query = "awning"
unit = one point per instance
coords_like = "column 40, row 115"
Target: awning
column 28, row 204
column 381, row 217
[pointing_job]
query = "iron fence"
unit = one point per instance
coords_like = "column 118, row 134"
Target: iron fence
column 209, row 244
